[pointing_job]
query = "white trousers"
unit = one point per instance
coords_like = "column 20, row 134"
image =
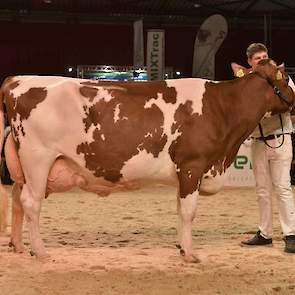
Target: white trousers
column 271, row 169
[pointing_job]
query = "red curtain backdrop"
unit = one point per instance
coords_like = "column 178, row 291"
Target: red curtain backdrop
column 47, row 49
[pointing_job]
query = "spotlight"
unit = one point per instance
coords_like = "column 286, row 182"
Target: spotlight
column 178, row 73
column 70, row 69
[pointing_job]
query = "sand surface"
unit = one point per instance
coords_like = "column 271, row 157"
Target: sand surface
column 125, row 244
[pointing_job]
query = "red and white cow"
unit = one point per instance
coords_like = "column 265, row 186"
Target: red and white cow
column 111, row 136
column 62, row 178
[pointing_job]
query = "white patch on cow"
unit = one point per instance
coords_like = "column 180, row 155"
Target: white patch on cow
column 168, row 110
column 117, row 113
column 148, row 168
column 90, row 133
column 148, row 135
column 110, row 88
column 102, row 93
column 267, row 115
column 102, row 137
column 189, row 89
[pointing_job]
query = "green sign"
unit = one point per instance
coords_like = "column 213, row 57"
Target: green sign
column 242, row 162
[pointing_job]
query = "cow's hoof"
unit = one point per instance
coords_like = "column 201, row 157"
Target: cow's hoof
column 41, row 257
column 191, row 259
column 19, row 249
column 188, row 258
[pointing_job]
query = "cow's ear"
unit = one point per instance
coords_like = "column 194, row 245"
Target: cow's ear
column 281, row 72
column 281, row 67
column 239, row 71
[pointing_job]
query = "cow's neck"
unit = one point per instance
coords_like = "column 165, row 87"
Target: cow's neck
column 249, row 107
column 253, row 104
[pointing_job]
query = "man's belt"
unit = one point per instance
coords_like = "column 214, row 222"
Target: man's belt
column 269, row 137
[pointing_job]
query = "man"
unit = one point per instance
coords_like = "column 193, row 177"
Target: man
column 271, row 167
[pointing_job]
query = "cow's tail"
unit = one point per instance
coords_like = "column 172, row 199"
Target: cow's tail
column 3, row 193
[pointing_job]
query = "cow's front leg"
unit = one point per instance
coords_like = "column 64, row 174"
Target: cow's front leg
column 17, row 220
column 187, row 211
column 187, row 204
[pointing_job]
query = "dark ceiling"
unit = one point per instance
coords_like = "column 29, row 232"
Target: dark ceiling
column 152, row 11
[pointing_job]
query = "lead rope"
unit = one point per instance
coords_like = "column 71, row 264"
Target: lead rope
column 263, row 137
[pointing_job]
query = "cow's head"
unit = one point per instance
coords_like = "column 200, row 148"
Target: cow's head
column 282, row 98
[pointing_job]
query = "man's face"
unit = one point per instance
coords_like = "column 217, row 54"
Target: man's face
column 256, row 57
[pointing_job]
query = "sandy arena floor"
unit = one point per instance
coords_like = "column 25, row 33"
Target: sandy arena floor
column 125, row 244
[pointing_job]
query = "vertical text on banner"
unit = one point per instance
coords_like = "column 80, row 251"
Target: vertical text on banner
column 155, row 54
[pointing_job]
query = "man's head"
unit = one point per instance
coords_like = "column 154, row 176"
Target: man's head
column 256, row 52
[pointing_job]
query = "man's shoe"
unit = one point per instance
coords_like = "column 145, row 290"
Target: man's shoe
column 258, row 240
column 289, row 244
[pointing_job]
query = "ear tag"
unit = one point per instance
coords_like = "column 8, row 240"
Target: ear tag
column 279, row 75
column 240, row 73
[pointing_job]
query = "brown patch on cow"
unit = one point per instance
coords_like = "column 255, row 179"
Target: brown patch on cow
column 88, row 92
column 148, row 89
column 29, row 100
column 25, row 103
column 21, row 105
column 182, row 115
column 116, row 141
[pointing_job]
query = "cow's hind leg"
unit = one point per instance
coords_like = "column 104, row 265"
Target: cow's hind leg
column 33, row 193
column 17, row 220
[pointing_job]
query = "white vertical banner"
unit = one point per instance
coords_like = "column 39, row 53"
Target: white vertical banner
column 209, row 38
column 156, row 54
column 138, row 47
